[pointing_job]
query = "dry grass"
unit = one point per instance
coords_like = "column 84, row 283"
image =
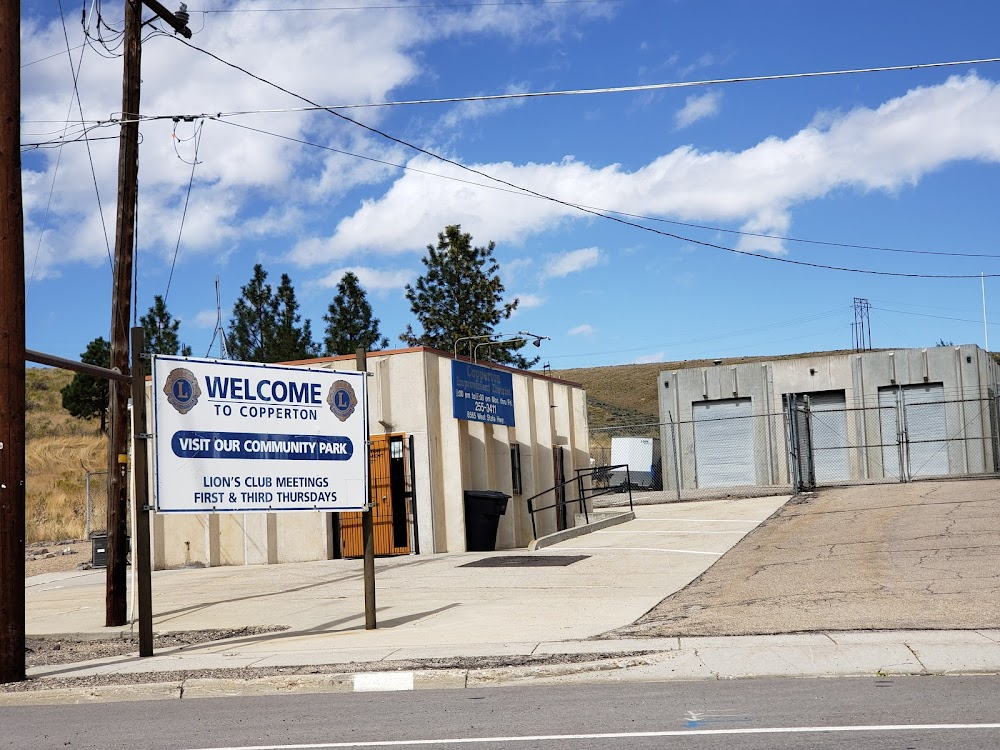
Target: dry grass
column 627, row 394
column 60, row 451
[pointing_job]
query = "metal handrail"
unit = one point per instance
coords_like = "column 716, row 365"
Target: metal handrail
column 582, row 495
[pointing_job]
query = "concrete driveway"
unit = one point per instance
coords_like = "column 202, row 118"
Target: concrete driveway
column 914, row 556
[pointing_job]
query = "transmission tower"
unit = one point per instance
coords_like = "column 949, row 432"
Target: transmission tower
column 862, row 325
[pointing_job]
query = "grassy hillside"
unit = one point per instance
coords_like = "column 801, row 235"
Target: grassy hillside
column 626, row 394
column 60, row 450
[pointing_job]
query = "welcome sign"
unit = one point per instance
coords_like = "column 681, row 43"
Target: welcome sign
column 238, row 436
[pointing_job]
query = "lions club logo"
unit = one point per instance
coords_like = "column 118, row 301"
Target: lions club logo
column 342, row 400
column 182, row 390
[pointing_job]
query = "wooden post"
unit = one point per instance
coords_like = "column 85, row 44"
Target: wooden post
column 116, row 600
column 12, row 638
column 140, row 552
column 367, row 531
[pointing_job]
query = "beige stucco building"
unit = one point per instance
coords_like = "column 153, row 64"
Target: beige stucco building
column 430, row 459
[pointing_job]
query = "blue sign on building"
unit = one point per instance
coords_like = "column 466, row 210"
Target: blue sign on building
column 482, row 394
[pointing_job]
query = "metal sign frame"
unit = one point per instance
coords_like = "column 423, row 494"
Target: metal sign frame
column 243, row 437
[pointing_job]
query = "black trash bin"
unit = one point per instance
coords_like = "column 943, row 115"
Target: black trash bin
column 483, row 509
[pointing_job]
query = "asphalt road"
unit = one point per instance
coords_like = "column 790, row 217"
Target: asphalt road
column 902, row 713
column 911, row 556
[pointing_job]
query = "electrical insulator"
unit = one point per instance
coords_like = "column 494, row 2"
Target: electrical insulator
column 182, row 14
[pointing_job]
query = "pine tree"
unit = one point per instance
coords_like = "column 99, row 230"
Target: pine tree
column 265, row 325
column 86, row 396
column 349, row 322
column 160, row 330
column 253, row 316
column 459, row 295
column 289, row 341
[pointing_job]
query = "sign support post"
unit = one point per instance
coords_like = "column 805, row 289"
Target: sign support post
column 140, row 468
column 367, row 530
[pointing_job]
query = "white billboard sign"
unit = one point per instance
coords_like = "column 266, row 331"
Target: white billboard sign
column 238, row 436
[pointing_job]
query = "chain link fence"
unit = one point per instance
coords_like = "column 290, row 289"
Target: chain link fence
column 97, row 503
column 725, row 450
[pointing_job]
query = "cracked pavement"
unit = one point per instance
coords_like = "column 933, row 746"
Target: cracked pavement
column 924, row 555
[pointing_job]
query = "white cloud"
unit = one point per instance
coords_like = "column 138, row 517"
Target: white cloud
column 649, row 358
column 584, row 329
column 572, row 262
column 205, row 319
column 372, row 279
column 528, row 301
column 698, row 107
column 237, row 166
column 465, row 111
column 885, row 148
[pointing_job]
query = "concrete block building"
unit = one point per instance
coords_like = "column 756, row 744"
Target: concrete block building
column 890, row 415
column 423, row 459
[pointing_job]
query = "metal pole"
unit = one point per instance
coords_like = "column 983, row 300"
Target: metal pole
column 413, row 498
column 986, row 330
column 12, row 398
column 367, row 530
column 677, row 460
column 140, row 467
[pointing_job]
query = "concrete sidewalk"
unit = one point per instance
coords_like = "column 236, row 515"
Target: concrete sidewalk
column 477, row 606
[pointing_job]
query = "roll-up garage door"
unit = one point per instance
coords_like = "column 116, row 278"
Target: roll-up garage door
column 723, row 442
column 828, row 425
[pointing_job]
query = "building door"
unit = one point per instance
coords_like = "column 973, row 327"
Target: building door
column 828, row 428
column 926, row 430
column 390, row 514
column 723, row 443
column 914, row 431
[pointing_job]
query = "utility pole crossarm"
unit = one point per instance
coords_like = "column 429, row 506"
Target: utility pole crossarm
column 178, row 24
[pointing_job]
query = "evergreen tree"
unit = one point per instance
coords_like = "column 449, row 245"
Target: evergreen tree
column 349, row 322
column 253, row 317
column 86, row 396
column 160, row 330
column 460, row 294
column 265, row 325
column 288, row 341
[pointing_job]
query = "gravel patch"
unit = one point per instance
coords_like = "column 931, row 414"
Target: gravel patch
column 47, row 651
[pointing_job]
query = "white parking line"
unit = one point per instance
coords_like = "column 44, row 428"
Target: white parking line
column 642, row 549
column 698, row 520
column 620, row 736
column 610, row 531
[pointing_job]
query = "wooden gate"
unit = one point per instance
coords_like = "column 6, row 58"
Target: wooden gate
column 388, row 483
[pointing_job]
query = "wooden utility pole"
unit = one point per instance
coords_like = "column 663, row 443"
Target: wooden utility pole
column 11, row 350
column 367, row 530
column 116, row 601
column 121, row 306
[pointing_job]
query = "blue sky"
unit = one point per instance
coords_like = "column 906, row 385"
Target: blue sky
column 904, row 160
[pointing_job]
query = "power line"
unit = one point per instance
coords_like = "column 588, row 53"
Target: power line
column 637, row 88
column 609, row 217
column 421, row 6
column 927, row 315
column 180, row 231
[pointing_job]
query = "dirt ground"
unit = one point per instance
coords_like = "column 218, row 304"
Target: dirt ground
column 56, row 557
column 924, row 555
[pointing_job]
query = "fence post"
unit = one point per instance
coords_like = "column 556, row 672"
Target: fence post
column 792, row 423
column 677, row 459
column 87, row 521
